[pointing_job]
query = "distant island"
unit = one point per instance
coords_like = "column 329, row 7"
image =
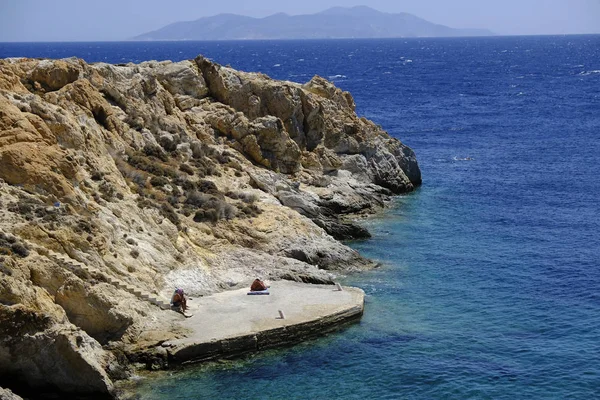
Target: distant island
column 334, row 23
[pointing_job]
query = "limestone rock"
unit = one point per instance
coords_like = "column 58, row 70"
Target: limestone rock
column 37, row 352
column 119, row 183
column 326, row 89
column 7, row 394
column 54, row 75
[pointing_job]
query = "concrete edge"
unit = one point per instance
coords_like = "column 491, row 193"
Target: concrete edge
column 235, row 347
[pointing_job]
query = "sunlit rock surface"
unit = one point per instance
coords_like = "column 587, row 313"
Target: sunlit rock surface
column 164, row 175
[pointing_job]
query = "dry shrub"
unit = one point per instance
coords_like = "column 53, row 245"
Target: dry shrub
column 210, row 207
column 9, row 245
column 151, row 165
column 169, row 144
column 250, row 210
column 206, row 167
column 197, row 199
column 4, row 269
column 222, row 158
column 107, row 190
column 220, row 211
column 201, row 150
column 185, row 184
column 154, row 151
column 159, row 181
column 187, row 169
column 130, row 173
column 167, row 211
column 245, row 197
column 209, row 187
column 97, row 176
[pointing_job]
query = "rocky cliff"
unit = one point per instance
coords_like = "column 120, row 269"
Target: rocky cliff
column 120, row 182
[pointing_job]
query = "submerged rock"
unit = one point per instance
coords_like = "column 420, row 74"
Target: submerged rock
column 119, row 183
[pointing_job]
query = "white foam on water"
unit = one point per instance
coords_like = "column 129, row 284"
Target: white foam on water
column 277, row 65
column 336, row 77
column 456, row 158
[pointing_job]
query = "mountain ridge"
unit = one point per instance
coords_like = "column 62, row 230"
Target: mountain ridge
column 334, row 23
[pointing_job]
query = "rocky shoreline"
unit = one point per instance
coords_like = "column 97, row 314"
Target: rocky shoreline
column 120, row 182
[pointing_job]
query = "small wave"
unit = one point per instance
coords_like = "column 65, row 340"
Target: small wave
column 456, row 158
column 408, row 61
column 586, row 73
column 520, row 94
column 336, row 77
column 300, row 59
column 277, row 65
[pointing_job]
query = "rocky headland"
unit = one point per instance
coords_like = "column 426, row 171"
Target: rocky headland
column 119, row 183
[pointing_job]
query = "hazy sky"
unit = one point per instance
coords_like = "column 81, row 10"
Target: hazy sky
column 80, row 20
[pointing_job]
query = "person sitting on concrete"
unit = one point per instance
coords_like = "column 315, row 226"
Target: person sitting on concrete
column 258, row 286
column 179, row 301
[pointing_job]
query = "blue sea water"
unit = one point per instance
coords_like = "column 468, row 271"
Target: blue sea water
column 489, row 285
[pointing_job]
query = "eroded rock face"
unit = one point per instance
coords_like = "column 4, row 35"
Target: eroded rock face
column 39, row 352
column 164, row 175
column 7, row 394
column 318, row 117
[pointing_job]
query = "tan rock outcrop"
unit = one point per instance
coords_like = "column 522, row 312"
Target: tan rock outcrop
column 39, row 352
column 119, row 183
column 7, row 394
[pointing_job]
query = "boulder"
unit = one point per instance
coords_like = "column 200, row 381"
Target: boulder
column 54, row 75
column 7, row 394
column 36, row 352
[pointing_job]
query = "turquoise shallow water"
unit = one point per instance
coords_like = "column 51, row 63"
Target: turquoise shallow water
column 489, row 279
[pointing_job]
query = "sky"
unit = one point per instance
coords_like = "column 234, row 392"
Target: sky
column 81, row 20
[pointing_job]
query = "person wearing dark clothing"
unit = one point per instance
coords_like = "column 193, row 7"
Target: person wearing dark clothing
column 258, row 286
column 179, row 301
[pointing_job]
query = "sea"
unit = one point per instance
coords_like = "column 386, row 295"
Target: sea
column 489, row 278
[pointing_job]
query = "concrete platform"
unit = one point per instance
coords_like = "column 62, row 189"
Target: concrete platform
column 233, row 323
